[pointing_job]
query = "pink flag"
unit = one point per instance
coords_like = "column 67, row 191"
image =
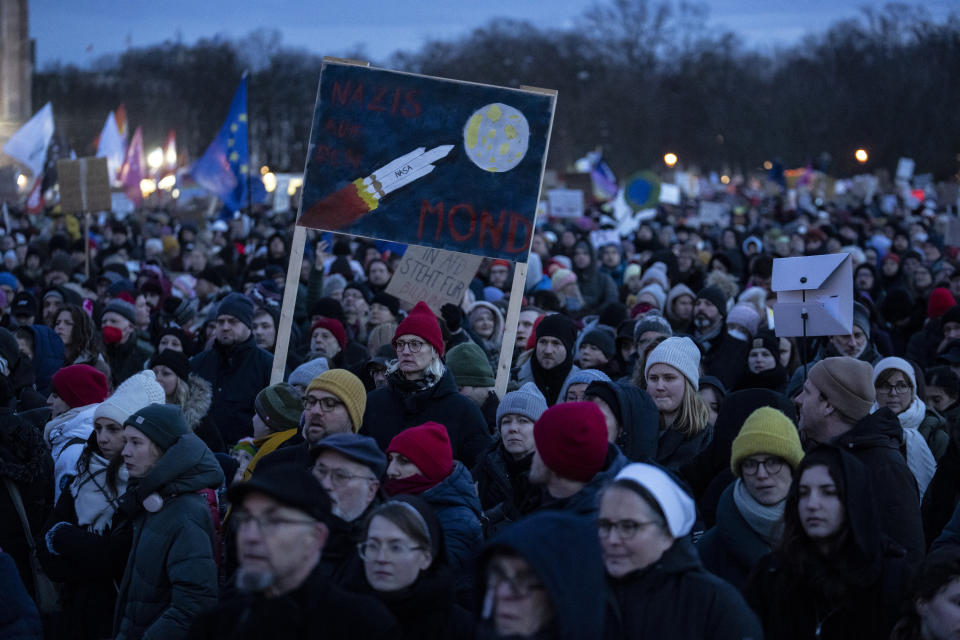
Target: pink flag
column 134, row 167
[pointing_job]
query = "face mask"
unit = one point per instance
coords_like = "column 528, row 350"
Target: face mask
column 739, row 335
column 112, row 335
column 642, row 308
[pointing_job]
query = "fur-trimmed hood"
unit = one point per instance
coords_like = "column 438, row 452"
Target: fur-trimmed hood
column 197, row 403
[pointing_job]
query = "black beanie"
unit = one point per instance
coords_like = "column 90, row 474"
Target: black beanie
column 560, row 327
column 604, row 390
column 173, row 360
column 239, row 306
column 714, row 296
column 601, row 339
column 390, row 302
column 162, row 423
column 613, row 315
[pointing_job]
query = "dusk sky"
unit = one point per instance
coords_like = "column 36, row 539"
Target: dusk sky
column 78, row 32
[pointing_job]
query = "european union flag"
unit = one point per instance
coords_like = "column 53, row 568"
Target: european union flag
column 224, row 168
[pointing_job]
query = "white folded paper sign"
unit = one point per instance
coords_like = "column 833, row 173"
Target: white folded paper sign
column 820, row 287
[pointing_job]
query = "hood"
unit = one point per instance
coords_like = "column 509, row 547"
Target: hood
column 48, row 356
column 497, row 336
column 584, row 274
column 640, row 421
column 564, row 551
column 75, row 423
column 681, row 557
column 24, row 456
column 584, row 502
column 197, row 403
column 456, row 490
column 879, row 429
column 186, row 467
column 675, row 292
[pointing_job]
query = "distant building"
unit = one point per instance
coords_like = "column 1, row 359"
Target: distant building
column 16, row 69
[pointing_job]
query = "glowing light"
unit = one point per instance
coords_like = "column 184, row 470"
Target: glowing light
column 264, row 170
column 670, row 159
column 167, row 182
column 861, row 155
column 147, row 186
column 155, row 158
column 767, row 165
column 175, row 193
column 171, row 156
column 21, row 180
column 295, row 183
column 269, row 182
column 725, row 179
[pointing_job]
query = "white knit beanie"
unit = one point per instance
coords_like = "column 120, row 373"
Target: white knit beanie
column 133, row 394
column 676, row 505
column 655, row 290
column 895, row 363
column 681, row 354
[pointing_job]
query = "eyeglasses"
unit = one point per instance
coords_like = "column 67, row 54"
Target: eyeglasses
column 266, row 523
column 900, row 388
column 626, row 529
column 520, row 585
column 326, row 404
column 394, row 549
column 750, row 466
column 338, row 477
column 413, row 345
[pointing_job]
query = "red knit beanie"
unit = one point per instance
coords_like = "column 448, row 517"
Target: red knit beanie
column 532, row 340
column 79, row 385
column 421, row 323
column 571, row 439
column 428, row 447
column 334, row 327
column 941, row 301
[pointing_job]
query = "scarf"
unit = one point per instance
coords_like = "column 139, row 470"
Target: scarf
column 919, row 458
column 414, row 484
column 93, row 500
column 766, row 522
column 914, row 414
column 550, row 381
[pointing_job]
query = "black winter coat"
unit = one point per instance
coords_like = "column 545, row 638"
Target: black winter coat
column 877, row 442
column 237, row 375
column 317, row 609
column 677, row 598
column 126, row 359
column 390, row 410
column 639, row 421
column 731, row 549
column 726, row 359
column 24, row 459
column 503, row 485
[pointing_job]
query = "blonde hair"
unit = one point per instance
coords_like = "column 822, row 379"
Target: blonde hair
column 693, row 415
column 380, row 335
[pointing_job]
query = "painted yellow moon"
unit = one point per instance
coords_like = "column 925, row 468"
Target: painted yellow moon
column 496, row 137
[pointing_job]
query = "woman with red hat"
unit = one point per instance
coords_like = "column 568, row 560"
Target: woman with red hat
column 421, row 389
column 420, row 462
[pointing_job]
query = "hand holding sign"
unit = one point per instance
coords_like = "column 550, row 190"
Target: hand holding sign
column 350, row 203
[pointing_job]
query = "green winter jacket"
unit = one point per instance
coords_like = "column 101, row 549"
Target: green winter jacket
column 171, row 574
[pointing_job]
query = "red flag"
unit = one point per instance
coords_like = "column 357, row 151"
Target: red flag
column 121, row 116
column 35, row 202
column 134, row 167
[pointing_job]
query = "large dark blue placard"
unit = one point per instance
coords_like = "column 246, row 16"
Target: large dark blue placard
column 426, row 161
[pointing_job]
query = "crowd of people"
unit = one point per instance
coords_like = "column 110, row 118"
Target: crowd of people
column 661, row 465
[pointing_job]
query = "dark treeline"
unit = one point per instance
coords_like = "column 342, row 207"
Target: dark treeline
column 636, row 77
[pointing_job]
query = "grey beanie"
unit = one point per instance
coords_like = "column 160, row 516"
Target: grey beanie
column 861, row 318
column 652, row 322
column 309, row 370
column 121, row 308
column 582, row 376
column 681, row 354
column 526, row 401
column 602, row 340
column 161, row 423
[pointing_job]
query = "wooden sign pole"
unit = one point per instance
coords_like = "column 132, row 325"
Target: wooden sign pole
column 510, row 326
column 289, row 302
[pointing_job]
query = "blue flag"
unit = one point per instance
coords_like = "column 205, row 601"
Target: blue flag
column 225, row 168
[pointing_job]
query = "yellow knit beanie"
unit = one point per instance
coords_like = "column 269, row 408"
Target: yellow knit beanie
column 348, row 388
column 768, row 431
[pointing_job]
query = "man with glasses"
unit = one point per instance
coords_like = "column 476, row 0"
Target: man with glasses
column 835, row 407
column 281, row 520
column 335, row 402
column 349, row 467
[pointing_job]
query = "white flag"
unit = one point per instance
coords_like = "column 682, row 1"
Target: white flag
column 29, row 144
column 112, row 147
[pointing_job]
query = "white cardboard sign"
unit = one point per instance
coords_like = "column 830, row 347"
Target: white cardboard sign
column 670, row 194
column 565, row 203
column 435, row 276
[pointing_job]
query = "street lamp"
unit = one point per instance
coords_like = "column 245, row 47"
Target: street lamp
column 861, row 155
column 670, row 159
column 155, row 159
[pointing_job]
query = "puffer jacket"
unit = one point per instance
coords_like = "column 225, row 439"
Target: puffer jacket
column 196, row 413
column 171, row 575
column 66, row 435
column 458, row 509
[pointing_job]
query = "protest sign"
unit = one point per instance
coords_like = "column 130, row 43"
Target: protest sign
column 565, row 203
column 716, row 213
column 905, row 168
column 642, row 190
column 84, row 185
column 603, row 237
column 670, row 194
column 433, row 275
column 427, row 161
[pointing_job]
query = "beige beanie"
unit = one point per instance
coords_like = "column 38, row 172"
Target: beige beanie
column 847, row 383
